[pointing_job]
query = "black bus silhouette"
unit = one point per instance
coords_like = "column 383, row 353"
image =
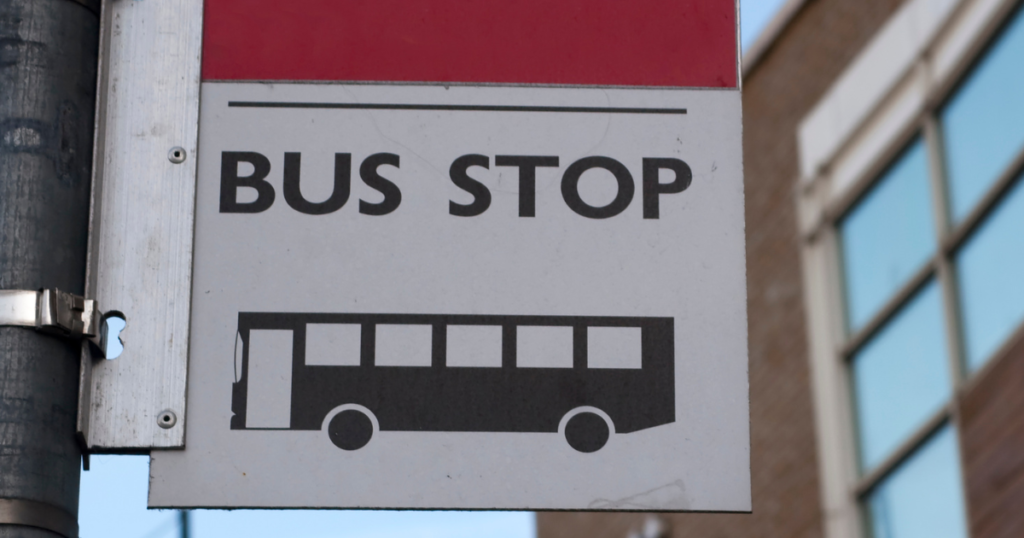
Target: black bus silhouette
column 586, row 404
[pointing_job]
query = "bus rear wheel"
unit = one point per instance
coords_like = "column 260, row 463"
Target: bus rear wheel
column 587, row 432
column 350, row 429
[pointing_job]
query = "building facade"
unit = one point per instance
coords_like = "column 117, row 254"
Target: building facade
column 884, row 146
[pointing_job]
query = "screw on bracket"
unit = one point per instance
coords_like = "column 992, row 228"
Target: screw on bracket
column 167, row 419
column 176, row 155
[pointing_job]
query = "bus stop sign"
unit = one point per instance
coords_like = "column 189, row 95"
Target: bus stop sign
column 467, row 255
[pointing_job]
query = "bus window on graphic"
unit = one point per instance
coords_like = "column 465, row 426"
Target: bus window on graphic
column 403, row 345
column 474, row 346
column 544, row 347
column 613, row 347
column 333, row 344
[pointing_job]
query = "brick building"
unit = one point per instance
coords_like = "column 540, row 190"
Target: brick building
column 884, row 146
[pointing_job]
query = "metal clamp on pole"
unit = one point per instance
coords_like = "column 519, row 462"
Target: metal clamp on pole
column 38, row 514
column 54, row 312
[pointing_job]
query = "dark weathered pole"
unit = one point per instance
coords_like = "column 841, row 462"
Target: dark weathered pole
column 184, row 526
column 48, row 62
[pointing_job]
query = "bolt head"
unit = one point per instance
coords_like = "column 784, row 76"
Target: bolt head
column 176, row 155
column 166, row 419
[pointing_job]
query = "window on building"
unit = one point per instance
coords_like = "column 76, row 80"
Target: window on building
column 983, row 122
column 983, row 129
column 901, row 377
column 931, row 256
column 921, row 498
column 989, row 267
column 888, row 237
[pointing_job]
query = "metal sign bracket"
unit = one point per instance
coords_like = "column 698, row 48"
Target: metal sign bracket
column 141, row 223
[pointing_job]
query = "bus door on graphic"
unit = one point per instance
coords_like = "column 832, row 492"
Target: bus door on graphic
column 353, row 375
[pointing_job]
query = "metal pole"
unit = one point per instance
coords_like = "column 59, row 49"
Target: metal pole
column 48, row 55
column 183, row 524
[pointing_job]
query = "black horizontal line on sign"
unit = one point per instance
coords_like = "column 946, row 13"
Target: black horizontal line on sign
column 462, row 108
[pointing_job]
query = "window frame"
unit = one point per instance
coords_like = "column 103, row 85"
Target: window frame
column 940, row 267
column 834, row 341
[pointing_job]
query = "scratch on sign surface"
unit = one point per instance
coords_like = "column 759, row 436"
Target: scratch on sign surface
column 671, row 496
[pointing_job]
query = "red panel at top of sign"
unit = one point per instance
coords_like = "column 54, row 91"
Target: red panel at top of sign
column 593, row 42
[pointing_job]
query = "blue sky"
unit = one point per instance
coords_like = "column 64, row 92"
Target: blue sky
column 113, row 495
column 754, row 15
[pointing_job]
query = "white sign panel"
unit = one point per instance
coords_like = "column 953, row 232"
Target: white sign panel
column 468, row 297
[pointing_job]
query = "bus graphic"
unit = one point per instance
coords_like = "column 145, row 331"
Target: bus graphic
column 352, row 375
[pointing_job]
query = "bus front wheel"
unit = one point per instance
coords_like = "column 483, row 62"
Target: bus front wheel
column 587, row 432
column 350, row 429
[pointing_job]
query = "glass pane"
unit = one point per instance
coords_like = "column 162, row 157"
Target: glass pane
column 989, row 268
column 901, row 376
column 983, row 123
column 923, row 497
column 888, row 236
